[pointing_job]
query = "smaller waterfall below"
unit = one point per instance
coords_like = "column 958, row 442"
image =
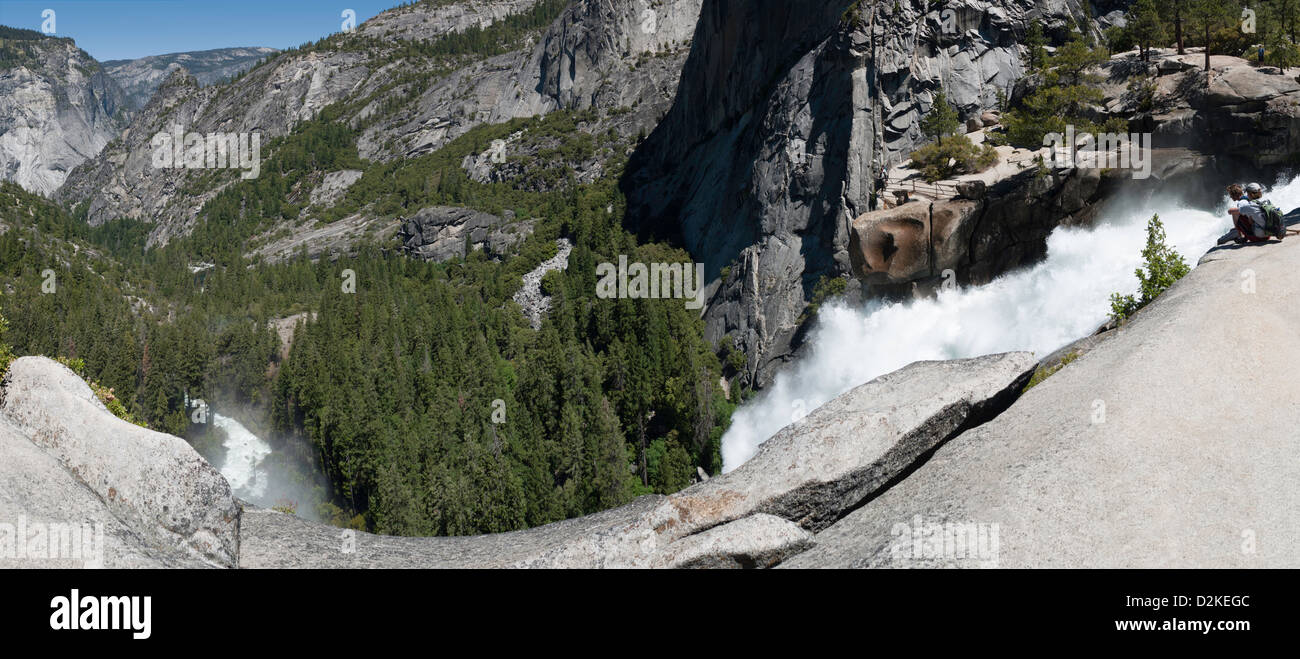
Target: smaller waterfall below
column 242, row 466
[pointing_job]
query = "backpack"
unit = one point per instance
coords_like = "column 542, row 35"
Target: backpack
column 1274, row 222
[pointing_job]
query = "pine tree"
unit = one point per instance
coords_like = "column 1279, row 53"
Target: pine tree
column 941, row 121
column 1145, row 26
column 1036, row 42
column 1208, row 16
column 1163, row 266
column 1175, row 13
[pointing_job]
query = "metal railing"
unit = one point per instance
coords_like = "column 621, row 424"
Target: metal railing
column 916, row 186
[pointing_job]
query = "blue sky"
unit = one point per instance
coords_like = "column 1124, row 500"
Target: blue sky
column 127, row 29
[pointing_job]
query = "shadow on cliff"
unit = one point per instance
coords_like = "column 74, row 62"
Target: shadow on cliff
column 754, row 152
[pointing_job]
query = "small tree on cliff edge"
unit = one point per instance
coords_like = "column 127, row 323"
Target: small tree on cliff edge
column 941, row 120
column 1175, row 12
column 1144, row 26
column 1209, row 16
column 6, row 352
column 1164, row 266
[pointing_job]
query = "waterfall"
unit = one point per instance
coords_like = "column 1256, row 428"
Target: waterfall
column 242, row 465
column 1040, row 309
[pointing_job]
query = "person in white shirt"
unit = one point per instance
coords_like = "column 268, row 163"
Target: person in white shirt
column 1247, row 215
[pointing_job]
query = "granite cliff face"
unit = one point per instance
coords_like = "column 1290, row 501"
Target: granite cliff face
column 58, row 108
column 784, row 112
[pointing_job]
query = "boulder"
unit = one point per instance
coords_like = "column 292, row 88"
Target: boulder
column 914, row 241
column 973, row 124
column 1171, row 65
column 441, row 233
column 972, row 189
column 952, row 224
column 990, row 119
column 155, row 484
column 891, row 245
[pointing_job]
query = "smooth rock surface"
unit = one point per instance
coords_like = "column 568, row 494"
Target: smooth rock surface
column 757, row 541
column 818, row 468
column 156, row 484
column 51, row 520
column 1170, row 445
column 623, row 537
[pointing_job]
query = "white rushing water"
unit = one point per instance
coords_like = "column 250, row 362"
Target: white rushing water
column 245, row 453
column 1040, row 309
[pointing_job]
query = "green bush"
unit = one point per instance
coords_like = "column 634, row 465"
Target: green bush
column 1048, row 371
column 826, row 288
column 731, row 356
column 1164, row 266
column 1066, row 90
column 951, row 157
column 6, row 351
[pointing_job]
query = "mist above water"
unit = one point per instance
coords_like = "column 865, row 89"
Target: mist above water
column 258, row 475
column 245, row 453
column 1039, row 309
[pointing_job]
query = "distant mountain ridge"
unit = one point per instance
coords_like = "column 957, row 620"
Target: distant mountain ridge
column 409, row 81
column 139, row 78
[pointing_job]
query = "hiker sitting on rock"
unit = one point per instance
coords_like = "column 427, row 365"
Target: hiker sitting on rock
column 1247, row 213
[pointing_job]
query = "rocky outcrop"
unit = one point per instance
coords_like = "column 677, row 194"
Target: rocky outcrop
column 1158, row 448
column 907, row 249
column 36, row 492
column 58, row 108
column 823, row 465
column 319, row 239
column 757, row 541
column 333, row 186
column 441, row 233
column 1237, row 110
column 783, row 113
column 176, row 506
column 139, row 78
